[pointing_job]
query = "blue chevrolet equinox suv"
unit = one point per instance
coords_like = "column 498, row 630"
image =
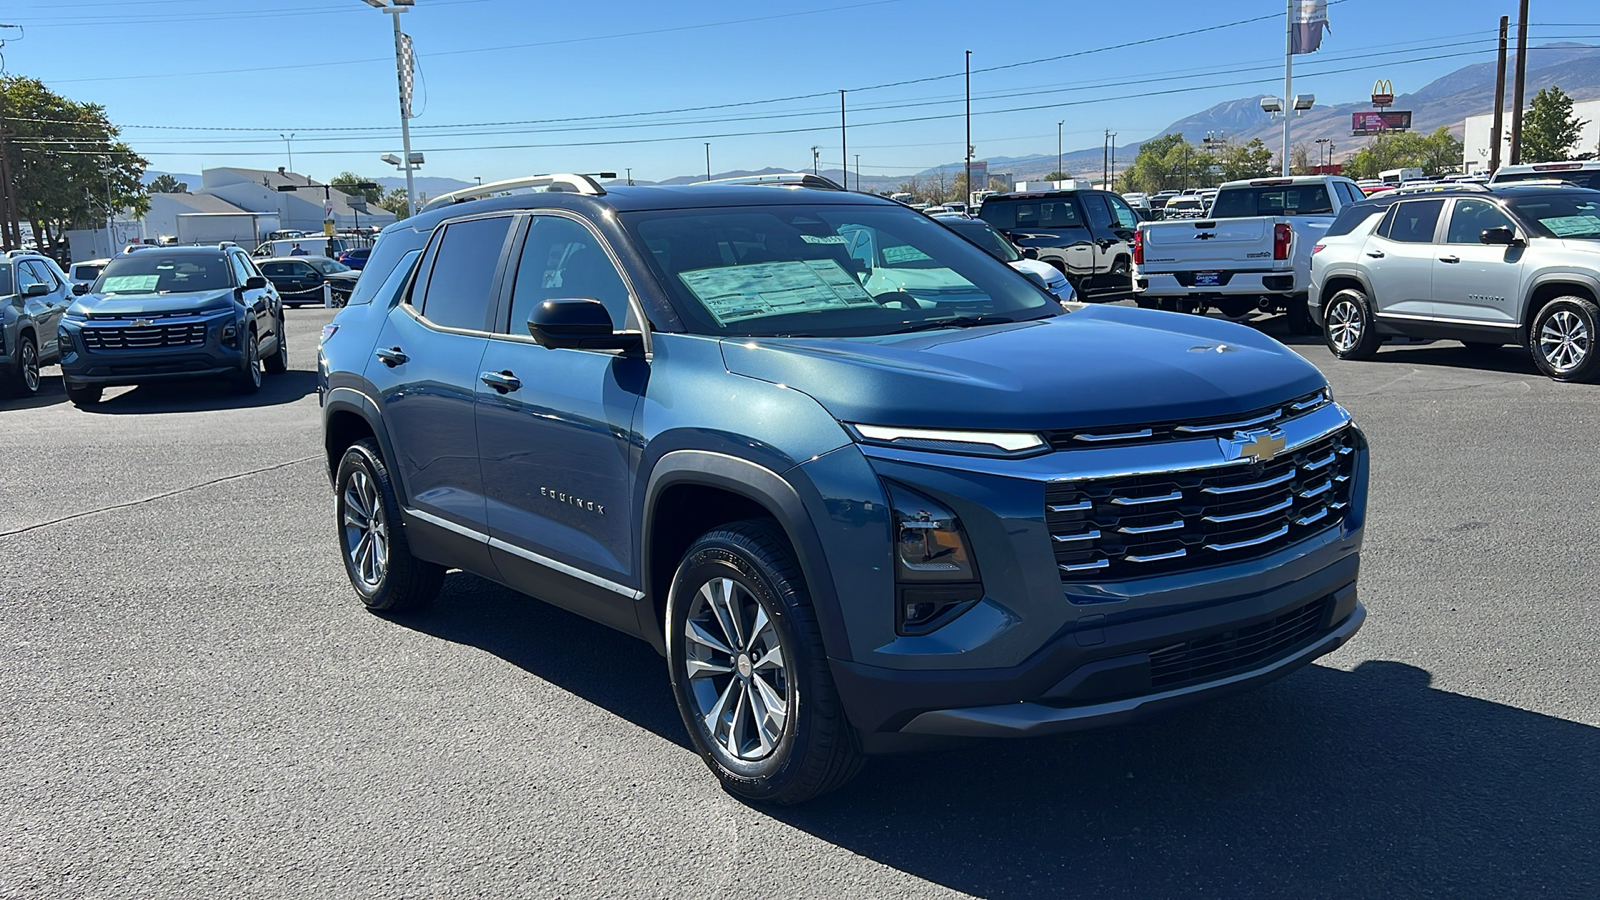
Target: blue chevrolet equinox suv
column 865, row 487
column 173, row 313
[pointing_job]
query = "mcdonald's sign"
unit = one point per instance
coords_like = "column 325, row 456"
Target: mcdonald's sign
column 1382, row 93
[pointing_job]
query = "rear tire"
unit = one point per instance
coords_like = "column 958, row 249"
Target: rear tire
column 745, row 654
column 372, row 538
column 1562, row 339
column 1297, row 310
column 278, row 363
column 1348, row 328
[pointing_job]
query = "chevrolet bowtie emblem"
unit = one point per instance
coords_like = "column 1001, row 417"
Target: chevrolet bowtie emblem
column 142, row 323
column 1265, row 446
column 1205, row 235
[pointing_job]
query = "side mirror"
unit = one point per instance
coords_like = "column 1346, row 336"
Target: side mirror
column 37, row 290
column 1030, row 252
column 1037, row 279
column 1502, row 236
column 579, row 324
column 255, row 283
column 79, row 289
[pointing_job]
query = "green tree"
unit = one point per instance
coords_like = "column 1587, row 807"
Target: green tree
column 1240, row 161
column 348, row 182
column 1436, row 154
column 1166, row 163
column 1057, row 176
column 395, row 202
column 68, row 167
column 166, row 184
column 1550, row 131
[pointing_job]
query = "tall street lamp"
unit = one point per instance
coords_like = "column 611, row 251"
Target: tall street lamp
column 288, row 143
column 1059, row 173
column 403, row 66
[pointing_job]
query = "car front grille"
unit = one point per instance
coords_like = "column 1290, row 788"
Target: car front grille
column 1269, row 417
column 1236, row 650
column 1130, row 527
column 188, row 334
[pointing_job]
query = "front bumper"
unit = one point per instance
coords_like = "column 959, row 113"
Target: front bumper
column 128, row 366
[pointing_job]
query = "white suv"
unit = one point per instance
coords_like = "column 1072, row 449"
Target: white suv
column 1518, row 264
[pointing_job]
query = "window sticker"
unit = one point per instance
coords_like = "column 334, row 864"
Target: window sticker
column 903, row 253
column 735, row 293
column 1562, row 226
column 824, row 239
column 130, row 284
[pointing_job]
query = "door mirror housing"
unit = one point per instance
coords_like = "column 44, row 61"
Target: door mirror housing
column 1502, row 237
column 79, row 289
column 255, row 283
column 579, row 324
column 1030, row 252
column 37, row 290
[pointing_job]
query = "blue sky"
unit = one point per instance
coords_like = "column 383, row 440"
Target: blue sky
column 223, row 77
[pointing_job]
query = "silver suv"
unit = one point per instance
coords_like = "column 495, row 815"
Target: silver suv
column 1488, row 267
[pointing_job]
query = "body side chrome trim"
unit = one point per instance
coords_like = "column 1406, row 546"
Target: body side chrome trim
column 529, row 555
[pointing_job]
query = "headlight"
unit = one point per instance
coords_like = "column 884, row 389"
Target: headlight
column 936, row 576
column 980, row 443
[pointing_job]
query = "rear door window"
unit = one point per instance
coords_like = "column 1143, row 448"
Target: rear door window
column 1099, row 214
column 461, row 283
column 1413, row 222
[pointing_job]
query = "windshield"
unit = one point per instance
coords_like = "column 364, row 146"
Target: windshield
column 327, row 266
column 149, row 272
column 1285, row 200
column 979, row 232
column 1574, row 215
column 827, row 270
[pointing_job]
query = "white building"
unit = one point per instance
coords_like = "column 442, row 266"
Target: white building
column 305, row 208
column 1475, row 142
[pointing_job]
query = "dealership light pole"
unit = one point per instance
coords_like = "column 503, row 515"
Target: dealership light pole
column 708, row 160
column 288, row 143
column 969, row 126
column 403, row 66
column 844, row 145
column 1059, row 173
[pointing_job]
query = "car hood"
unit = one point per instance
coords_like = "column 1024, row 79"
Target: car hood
column 149, row 304
column 1095, row 366
column 342, row 277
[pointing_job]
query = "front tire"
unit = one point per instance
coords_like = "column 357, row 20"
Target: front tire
column 1348, row 328
column 248, row 380
column 24, row 382
column 372, row 538
column 1562, row 339
column 1297, row 309
column 748, row 669
column 84, row 397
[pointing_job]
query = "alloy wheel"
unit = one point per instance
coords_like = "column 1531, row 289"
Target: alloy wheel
column 1345, row 325
column 366, row 537
column 736, row 672
column 30, row 367
column 1564, row 340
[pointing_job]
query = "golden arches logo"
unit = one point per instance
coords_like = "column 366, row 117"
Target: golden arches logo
column 1383, row 86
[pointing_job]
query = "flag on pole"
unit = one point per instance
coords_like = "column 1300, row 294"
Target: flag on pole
column 1305, row 26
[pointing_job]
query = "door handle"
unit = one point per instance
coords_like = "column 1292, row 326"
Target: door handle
column 1375, row 254
column 1450, row 259
column 392, row 357
column 504, row 382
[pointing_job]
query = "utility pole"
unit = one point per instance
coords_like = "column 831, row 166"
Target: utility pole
column 1105, row 161
column 969, row 126
column 1059, row 173
column 1112, row 183
column 844, row 145
column 1522, row 83
column 1497, row 129
column 630, row 178
column 1288, row 79
column 708, row 160
column 814, row 157
column 858, row 171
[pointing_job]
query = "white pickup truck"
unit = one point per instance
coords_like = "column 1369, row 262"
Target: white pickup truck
column 1252, row 252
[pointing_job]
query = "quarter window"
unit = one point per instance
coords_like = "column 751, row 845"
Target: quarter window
column 461, row 282
column 563, row 260
column 1413, row 222
column 1472, row 218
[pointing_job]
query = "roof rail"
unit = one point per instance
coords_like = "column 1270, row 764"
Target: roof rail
column 531, row 184
column 1438, row 186
column 782, row 179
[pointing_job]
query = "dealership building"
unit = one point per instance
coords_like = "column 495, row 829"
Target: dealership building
column 1475, row 142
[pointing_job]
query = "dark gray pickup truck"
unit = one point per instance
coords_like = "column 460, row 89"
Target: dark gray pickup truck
column 1087, row 234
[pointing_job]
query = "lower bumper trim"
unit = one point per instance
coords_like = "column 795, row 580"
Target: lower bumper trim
column 1033, row 719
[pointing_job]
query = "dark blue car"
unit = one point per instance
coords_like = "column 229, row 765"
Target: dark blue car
column 356, row 258
column 172, row 313
column 864, row 486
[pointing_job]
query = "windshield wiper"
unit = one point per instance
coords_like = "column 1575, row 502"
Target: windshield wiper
column 954, row 322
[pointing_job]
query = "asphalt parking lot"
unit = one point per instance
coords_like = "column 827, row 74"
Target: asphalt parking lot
column 193, row 704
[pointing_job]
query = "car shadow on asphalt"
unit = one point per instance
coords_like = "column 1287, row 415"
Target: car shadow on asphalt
column 201, row 396
column 562, row 648
column 1325, row 784
column 49, row 394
